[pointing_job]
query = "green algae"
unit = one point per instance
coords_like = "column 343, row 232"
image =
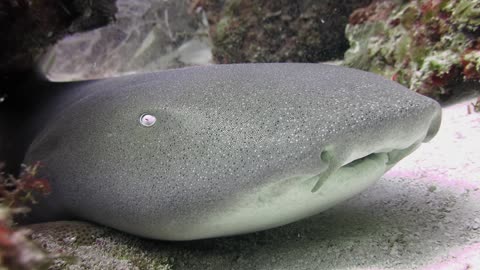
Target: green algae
column 465, row 13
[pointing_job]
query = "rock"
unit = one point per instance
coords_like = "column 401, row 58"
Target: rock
column 278, row 31
column 428, row 46
column 147, row 36
column 28, row 28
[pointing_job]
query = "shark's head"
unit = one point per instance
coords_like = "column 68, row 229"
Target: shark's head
column 221, row 150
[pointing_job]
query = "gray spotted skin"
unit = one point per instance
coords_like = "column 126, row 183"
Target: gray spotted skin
column 224, row 136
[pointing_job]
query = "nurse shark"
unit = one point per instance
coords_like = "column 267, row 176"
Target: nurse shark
column 222, row 150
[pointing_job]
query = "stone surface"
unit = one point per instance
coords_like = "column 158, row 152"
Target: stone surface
column 278, row 31
column 28, row 28
column 146, row 36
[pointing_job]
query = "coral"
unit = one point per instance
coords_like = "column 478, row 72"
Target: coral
column 17, row 251
column 426, row 45
column 18, row 192
column 465, row 14
column 474, row 106
column 277, row 31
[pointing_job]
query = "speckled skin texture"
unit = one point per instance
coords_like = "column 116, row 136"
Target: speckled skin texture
column 222, row 132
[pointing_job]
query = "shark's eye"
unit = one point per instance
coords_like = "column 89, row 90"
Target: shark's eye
column 147, row 120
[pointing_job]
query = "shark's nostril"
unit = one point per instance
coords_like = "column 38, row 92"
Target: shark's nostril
column 326, row 156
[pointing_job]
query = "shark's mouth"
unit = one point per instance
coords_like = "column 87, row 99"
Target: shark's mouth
column 392, row 157
column 293, row 198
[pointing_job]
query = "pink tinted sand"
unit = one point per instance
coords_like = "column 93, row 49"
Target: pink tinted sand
column 451, row 160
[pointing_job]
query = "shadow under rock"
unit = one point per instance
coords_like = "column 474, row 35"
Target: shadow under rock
column 461, row 92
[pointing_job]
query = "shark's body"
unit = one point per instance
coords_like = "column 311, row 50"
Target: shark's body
column 235, row 148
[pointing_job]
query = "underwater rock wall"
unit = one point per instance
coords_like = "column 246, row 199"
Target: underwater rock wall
column 278, row 31
column 426, row 45
column 147, row 35
column 27, row 28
